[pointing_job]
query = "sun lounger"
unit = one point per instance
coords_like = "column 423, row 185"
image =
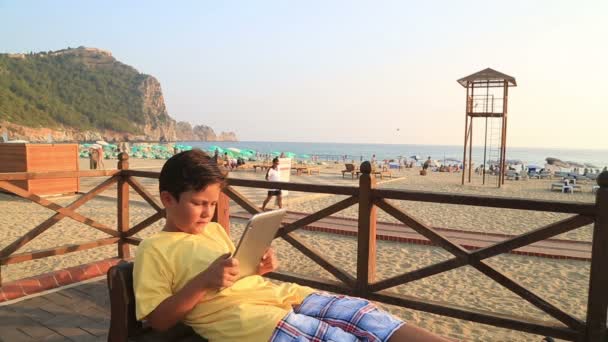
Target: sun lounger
column 300, row 169
column 545, row 174
column 350, row 168
column 376, row 173
column 565, row 188
column 512, row 175
column 260, row 166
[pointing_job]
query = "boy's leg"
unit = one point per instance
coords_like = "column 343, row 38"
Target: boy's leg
column 268, row 197
column 353, row 315
column 412, row 333
column 280, row 200
column 362, row 318
column 296, row 327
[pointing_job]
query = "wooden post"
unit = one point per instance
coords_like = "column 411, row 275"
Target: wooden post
column 597, row 302
column 222, row 212
column 506, row 121
column 466, row 130
column 366, row 246
column 471, row 130
column 123, row 206
column 470, row 148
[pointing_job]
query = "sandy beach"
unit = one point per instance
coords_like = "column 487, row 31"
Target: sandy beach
column 562, row 282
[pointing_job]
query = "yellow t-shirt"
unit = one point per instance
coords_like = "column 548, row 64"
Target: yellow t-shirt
column 248, row 310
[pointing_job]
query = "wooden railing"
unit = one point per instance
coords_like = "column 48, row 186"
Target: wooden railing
column 363, row 283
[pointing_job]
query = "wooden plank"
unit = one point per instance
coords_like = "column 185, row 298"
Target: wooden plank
column 12, row 158
column 326, row 189
column 56, row 174
column 458, row 251
column 133, row 240
column 332, row 209
column 531, row 237
column 494, row 319
column 422, row 229
column 143, row 174
column 70, row 248
column 315, row 256
column 55, row 186
column 488, row 252
column 52, row 157
column 424, row 272
column 145, row 223
column 488, row 201
column 598, row 279
column 122, row 202
column 222, row 212
column 56, row 207
column 32, row 234
column 366, row 239
column 136, row 185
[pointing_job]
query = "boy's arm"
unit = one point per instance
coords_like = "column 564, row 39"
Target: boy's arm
column 221, row 273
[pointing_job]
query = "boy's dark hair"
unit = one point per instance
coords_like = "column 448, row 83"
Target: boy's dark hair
column 275, row 160
column 189, row 170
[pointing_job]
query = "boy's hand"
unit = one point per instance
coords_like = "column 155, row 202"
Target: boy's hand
column 221, row 273
column 269, row 262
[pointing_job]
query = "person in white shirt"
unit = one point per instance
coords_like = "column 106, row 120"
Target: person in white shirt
column 273, row 175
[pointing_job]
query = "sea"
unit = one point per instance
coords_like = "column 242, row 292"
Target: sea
column 446, row 154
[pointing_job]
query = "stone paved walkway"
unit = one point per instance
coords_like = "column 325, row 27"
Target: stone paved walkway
column 79, row 313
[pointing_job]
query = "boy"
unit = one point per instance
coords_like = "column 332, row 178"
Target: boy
column 185, row 273
column 273, row 175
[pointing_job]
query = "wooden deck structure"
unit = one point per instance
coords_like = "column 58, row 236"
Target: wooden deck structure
column 364, row 282
column 41, row 157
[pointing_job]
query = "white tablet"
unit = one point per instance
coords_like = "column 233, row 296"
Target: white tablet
column 257, row 237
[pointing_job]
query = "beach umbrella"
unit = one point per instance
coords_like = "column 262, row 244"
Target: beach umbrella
column 593, row 166
column 513, row 161
column 304, row 156
column 533, row 167
column 212, row 148
column 455, row 160
column 416, row 157
column 234, row 149
column 290, row 155
column 101, row 142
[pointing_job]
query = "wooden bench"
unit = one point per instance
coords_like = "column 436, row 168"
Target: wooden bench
column 350, row 168
column 561, row 187
column 260, row 166
column 123, row 324
column 382, row 174
column 306, row 169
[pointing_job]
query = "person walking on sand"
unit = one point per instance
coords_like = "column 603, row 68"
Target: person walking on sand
column 93, row 157
column 100, row 164
column 273, row 175
column 426, row 164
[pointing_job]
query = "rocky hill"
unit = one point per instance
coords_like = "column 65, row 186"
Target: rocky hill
column 85, row 94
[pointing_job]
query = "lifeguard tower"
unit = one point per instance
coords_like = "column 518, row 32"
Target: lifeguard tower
column 487, row 97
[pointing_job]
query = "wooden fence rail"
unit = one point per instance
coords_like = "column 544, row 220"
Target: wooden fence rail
column 364, row 282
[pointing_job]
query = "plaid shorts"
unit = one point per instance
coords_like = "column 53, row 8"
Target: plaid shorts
column 326, row 317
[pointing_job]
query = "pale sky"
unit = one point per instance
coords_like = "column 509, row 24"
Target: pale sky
column 346, row 71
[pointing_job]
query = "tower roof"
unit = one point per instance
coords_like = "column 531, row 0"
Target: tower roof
column 488, row 75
